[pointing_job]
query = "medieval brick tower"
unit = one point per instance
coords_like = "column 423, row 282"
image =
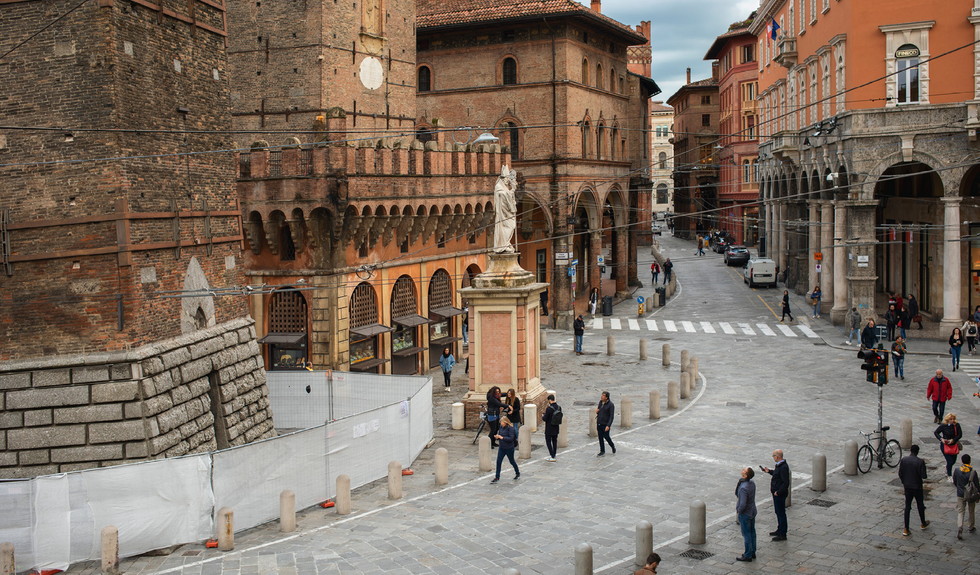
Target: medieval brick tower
column 121, row 238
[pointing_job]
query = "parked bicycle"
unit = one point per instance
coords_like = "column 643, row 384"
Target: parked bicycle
column 878, row 447
column 483, row 422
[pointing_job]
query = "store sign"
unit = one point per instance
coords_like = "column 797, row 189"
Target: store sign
column 907, row 51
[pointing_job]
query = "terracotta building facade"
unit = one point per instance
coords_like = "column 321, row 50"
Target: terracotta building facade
column 662, row 159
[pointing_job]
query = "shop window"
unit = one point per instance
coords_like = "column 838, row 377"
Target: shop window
column 365, row 329
column 286, row 337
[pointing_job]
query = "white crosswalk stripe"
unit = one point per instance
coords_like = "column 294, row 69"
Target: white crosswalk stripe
column 614, row 323
column 786, row 330
column 652, row 325
column 634, row 325
column 809, row 332
column 727, row 328
column 669, row 325
column 765, row 329
column 706, row 327
column 688, row 326
column 597, row 323
column 970, row 365
column 746, row 329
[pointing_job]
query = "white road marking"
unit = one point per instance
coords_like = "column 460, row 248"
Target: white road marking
column 597, row 323
column 614, row 323
column 807, row 331
column 786, row 330
column 765, row 329
column 688, row 326
column 707, row 327
column 669, row 325
column 634, row 324
column 746, row 329
column 726, row 327
column 652, row 325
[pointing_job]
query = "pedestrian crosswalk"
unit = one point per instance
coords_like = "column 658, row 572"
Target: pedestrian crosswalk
column 724, row 327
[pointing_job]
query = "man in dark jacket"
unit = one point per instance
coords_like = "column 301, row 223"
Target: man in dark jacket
column 746, row 512
column 579, row 327
column 779, row 486
column 911, row 472
column 551, row 427
column 869, row 339
column 605, row 412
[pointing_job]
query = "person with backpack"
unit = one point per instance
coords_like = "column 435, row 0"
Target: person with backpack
column 967, row 494
column 970, row 329
column 552, row 420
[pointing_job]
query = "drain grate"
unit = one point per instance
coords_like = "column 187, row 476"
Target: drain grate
column 586, row 403
column 743, row 339
column 821, row 503
column 735, row 404
column 696, row 554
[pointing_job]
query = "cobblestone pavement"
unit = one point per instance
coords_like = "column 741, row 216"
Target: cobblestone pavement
column 758, row 392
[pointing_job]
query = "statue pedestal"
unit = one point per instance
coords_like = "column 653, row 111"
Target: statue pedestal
column 505, row 305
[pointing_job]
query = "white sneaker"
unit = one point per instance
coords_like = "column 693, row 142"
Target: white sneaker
column 551, row 459
column 848, row 342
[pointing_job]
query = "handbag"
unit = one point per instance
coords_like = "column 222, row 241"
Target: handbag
column 951, row 448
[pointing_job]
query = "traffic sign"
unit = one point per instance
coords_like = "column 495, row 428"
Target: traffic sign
column 639, row 299
column 818, row 256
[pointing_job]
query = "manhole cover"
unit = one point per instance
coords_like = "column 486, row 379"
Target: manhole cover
column 696, row 554
column 735, row 404
column 583, row 403
column 821, row 503
column 743, row 339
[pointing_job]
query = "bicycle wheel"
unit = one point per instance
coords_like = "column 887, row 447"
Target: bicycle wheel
column 479, row 430
column 865, row 457
column 893, row 453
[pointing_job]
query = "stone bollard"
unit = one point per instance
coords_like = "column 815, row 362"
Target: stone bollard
column 395, row 480
column 530, row 417
column 665, row 355
column 226, row 529
column 693, row 370
column 583, row 559
column 486, row 464
column 685, row 385
column 643, row 350
column 654, row 405
column 698, row 527
column 906, row 437
column 610, row 345
column 343, row 499
column 7, row 564
column 523, row 444
column 818, row 481
column 850, row 457
column 459, row 416
column 287, row 511
column 110, row 549
column 593, row 432
column 673, row 395
column 543, row 340
column 626, row 413
column 685, row 360
column 563, row 431
column 644, row 542
column 442, row 466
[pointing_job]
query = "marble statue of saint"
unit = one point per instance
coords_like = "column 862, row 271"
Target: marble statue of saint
column 505, row 208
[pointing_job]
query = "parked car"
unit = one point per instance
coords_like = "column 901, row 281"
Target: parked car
column 737, row 255
column 719, row 245
column 760, row 271
column 657, row 228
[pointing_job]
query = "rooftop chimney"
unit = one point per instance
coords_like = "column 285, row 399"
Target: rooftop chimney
column 688, row 75
column 597, row 6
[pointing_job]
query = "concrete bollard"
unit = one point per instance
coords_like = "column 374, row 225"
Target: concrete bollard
column 583, row 559
column 685, row 360
column 610, row 345
column 530, row 417
column 524, row 444
column 226, row 529
column 459, row 415
column 694, row 372
column 643, row 350
column 395, row 480
column 685, row 385
column 343, row 500
column 486, row 464
column 673, row 395
column 563, row 431
column 906, row 436
column 665, row 355
column 654, row 405
column 850, row 457
column 626, row 413
column 818, row 481
column 542, row 340
column 698, row 526
column 110, row 549
column 442, row 466
column 287, row 511
column 7, row 563
column 593, row 432
column 644, row 542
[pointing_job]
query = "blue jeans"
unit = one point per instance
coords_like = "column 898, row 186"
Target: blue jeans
column 901, row 330
column 466, row 333
column 854, row 335
column 816, row 309
column 779, row 506
column 578, row 343
column 899, row 367
column 747, row 523
column 509, row 453
column 955, row 352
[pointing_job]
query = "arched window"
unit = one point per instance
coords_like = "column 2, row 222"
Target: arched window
column 613, row 139
column 662, row 161
column 599, row 79
column 287, row 249
column 662, row 194
column 364, row 328
column 586, row 139
column 513, row 140
column 601, row 141
column 509, row 71
column 612, row 80
column 585, row 71
column 907, row 77
column 425, row 79
column 287, row 329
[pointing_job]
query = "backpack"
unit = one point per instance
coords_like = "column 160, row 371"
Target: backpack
column 556, row 416
column 970, row 492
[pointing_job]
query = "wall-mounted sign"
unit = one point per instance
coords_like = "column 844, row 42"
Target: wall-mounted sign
column 864, row 259
column 907, row 51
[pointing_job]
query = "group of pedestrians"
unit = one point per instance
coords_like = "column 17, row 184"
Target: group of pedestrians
column 912, row 474
column 745, row 508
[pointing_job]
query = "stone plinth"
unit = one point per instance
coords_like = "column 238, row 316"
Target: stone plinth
column 504, row 304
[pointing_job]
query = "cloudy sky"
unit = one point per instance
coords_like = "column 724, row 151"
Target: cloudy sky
column 681, row 31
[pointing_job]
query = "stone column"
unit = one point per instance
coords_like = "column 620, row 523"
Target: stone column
column 862, row 275
column 952, row 266
column 768, row 227
column 621, row 259
column 595, row 249
column 781, row 232
column 813, row 237
column 841, row 304
column 827, row 249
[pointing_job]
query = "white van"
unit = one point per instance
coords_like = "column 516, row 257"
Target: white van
column 760, row 272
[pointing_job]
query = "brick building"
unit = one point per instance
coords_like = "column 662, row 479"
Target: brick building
column 120, row 226
column 738, row 182
column 551, row 79
column 662, row 159
column 696, row 115
column 359, row 231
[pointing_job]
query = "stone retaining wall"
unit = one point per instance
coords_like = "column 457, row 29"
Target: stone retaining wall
column 194, row 393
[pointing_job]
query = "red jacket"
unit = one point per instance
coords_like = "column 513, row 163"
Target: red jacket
column 940, row 390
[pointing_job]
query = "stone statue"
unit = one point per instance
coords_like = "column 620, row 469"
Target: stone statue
column 505, row 208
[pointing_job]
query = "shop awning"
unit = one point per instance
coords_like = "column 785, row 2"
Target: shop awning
column 408, row 351
column 367, row 364
column 370, row 330
column 410, row 320
column 443, row 341
column 445, row 311
column 280, row 338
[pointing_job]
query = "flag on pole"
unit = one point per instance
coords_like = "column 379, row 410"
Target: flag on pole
column 772, row 28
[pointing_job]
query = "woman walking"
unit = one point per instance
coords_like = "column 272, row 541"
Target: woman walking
column 513, row 404
column 898, row 355
column 494, row 405
column 956, row 346
column 786, row 311
column 447, row 362
column 949, row 434
column 507, row 436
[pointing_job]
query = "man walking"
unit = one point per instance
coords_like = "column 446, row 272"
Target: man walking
column 668, row 270
column 852, row 320
column 605, row 412
column 912, row 472
column 779, row 486
column 939, row 390
column 961, row 477
column 551, row 423
column 579, row 327
column 869, row 339
column 746, row 512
